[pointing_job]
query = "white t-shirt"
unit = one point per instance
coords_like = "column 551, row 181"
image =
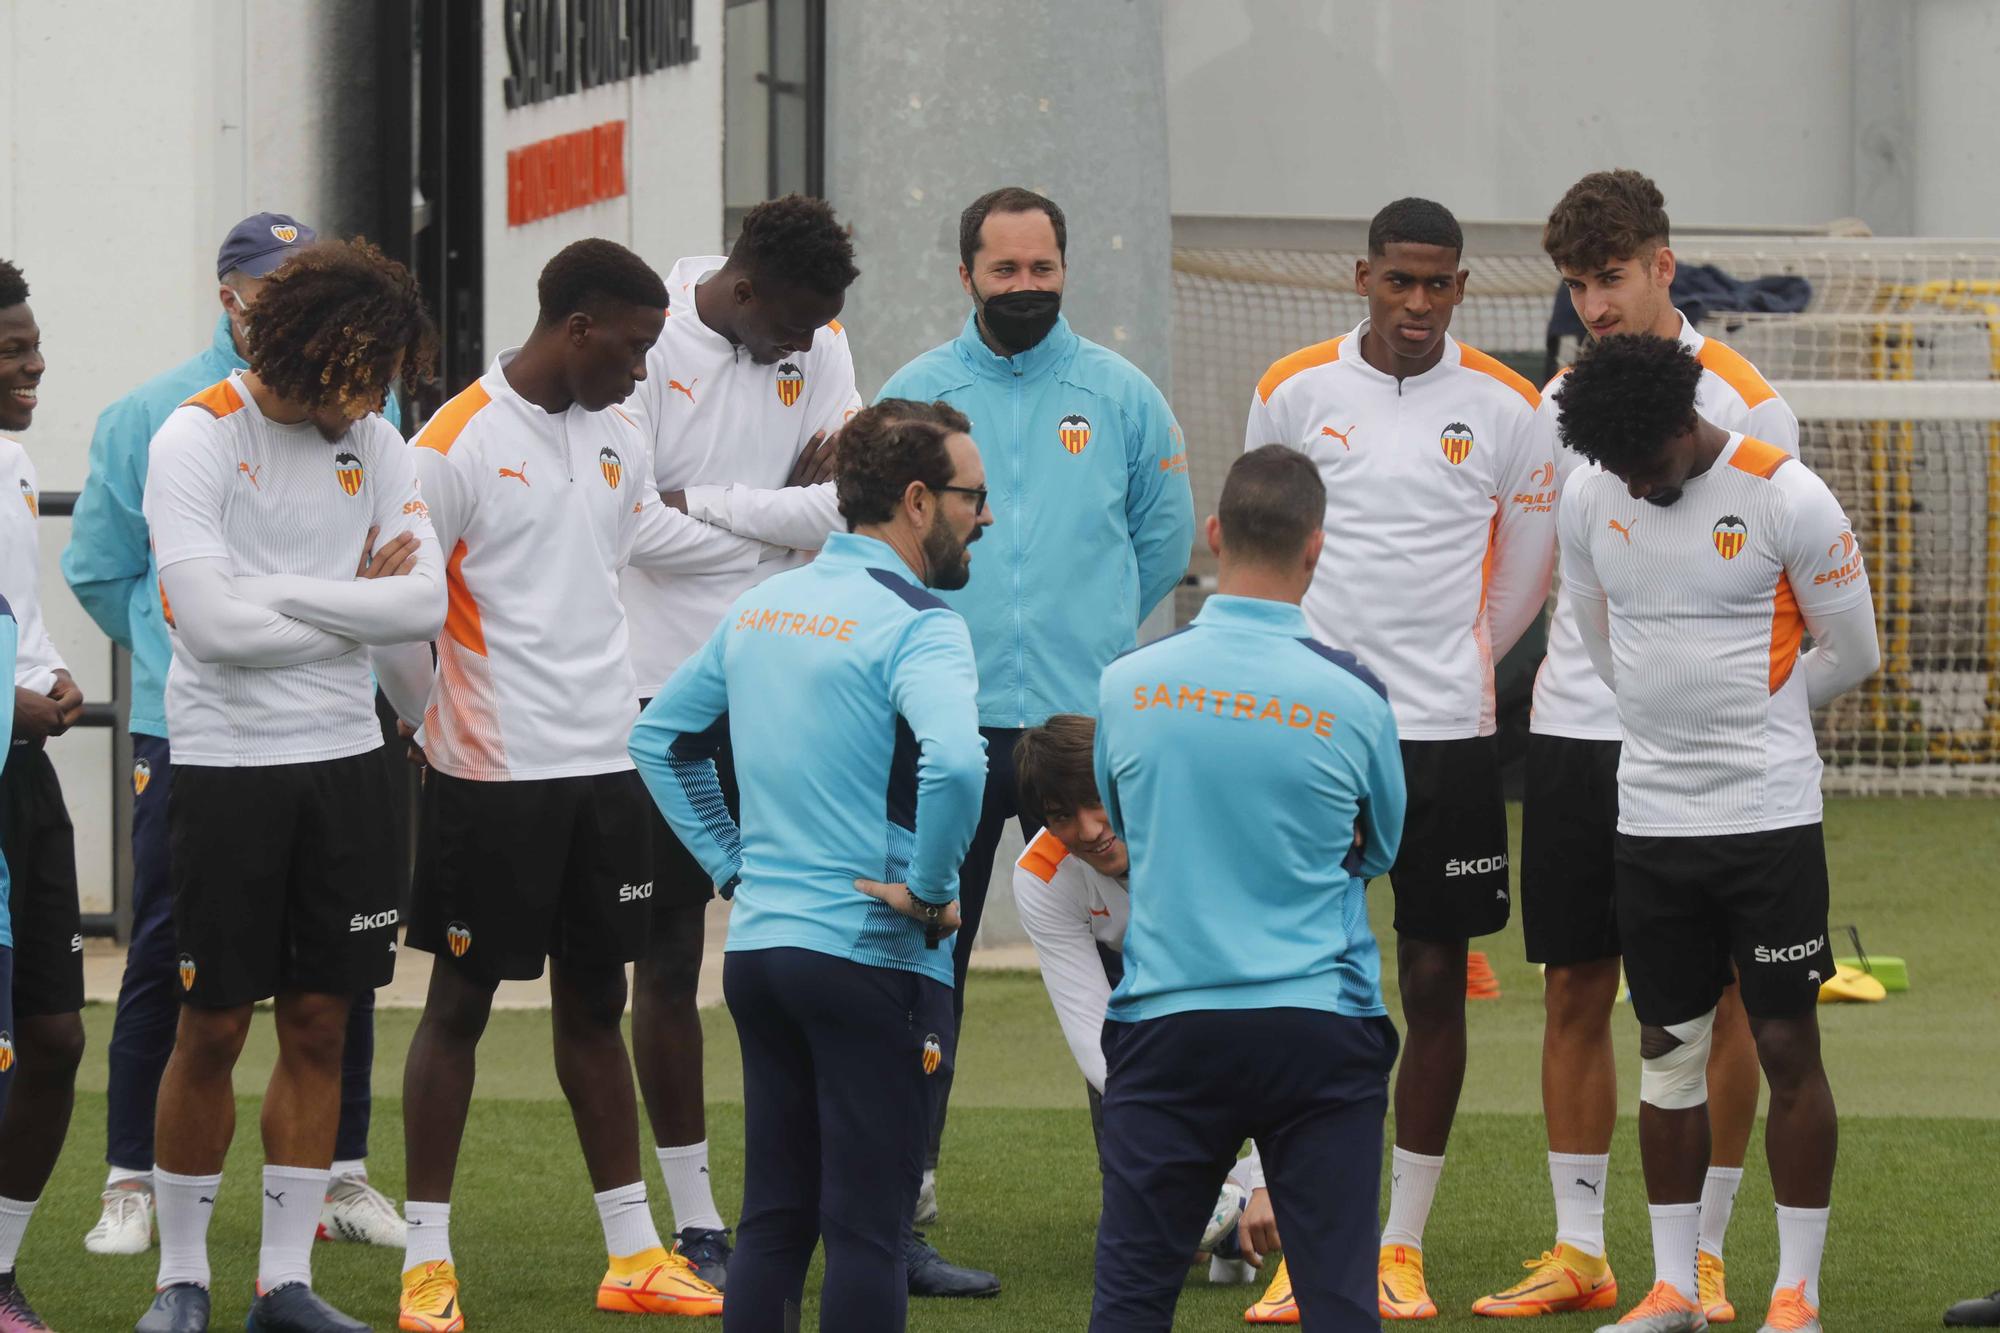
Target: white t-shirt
column 1570, row 698
column 21, row 568
column 727, row 431
column 226, row 482
column 538, row 512
column 1438, row 552
column 1708, row 601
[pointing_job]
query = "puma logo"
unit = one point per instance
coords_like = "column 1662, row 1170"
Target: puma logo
column 519, row 474
column 278, row 1198
column 203, row 1198
column 1340, row 435
column 687, row 388
column 251, row 472
column 1592, row 1185
column 1623, row 529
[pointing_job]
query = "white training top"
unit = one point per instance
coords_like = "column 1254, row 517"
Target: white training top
column 228, row 484
column 727, row 431
column 1570, row 698
column 1439, row 535
column 1068, row 909
column 1708, row 600
column 537, row 513
column 21, row 568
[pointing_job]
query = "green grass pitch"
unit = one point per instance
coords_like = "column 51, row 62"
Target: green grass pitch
column 1915, row 1225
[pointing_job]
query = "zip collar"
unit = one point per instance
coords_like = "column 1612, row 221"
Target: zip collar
column 1034, row 363
column 853, row 551
column 1259, row 615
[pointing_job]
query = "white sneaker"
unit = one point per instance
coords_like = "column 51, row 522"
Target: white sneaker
column 1229, row 1206
column 357, row 1211
column 1230, row 1272
column 927, row 1209
column 126, row 1224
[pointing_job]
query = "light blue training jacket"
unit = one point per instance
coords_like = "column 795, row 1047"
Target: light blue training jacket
column 1092, row 517
column 1238, row 758
column 848, row 692
column 109, row 560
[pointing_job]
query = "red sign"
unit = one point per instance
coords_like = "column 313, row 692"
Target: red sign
column 569, row 171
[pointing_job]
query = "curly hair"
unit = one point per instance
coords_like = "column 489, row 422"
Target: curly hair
column 1007, row 199
column 332, row 321
column 796, row 242
column 885, row 447
column 13, row 286
column 1605, row 217
column 1625, row 397
column 1414, row 221
column 589, row 274
column 1053, row 766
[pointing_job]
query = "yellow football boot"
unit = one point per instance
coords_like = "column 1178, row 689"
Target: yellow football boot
column 1399, row 1272
column 656, row 1281
column 1277, row 1305
column 430, row 1300
column 1561, row 1280
column 1791, row 1312
column 1714, row 1300
column 1664, row 1310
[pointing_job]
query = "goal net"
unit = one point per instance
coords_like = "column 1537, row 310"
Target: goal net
column 1893, row 368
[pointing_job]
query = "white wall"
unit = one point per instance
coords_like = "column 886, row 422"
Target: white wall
column 1957, row 172
column 673, row 170
column 1741, row 112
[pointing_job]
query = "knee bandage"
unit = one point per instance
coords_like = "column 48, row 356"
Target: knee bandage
column 1679, row 1079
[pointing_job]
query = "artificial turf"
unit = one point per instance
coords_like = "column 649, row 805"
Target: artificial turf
column 1915, row 1223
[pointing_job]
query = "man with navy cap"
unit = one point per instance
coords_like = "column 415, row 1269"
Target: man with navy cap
column 109, row 566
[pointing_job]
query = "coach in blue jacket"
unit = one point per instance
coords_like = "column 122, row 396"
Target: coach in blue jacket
column 848, row 690
column 109, row 566
column 1093, row 516
column 1255, row 777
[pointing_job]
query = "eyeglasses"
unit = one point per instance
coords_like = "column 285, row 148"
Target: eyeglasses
column 978, row 494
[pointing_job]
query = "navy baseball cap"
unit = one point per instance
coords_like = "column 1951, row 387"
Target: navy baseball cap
column 261, row 242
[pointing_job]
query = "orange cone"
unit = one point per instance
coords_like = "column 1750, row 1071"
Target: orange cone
column 1480, row 983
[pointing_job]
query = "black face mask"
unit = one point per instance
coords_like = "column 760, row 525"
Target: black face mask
column 1019, row 320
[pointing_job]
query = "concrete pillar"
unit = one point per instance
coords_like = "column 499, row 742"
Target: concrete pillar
column 930, row 106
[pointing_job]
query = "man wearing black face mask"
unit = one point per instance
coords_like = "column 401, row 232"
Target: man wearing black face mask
column 1094, row 521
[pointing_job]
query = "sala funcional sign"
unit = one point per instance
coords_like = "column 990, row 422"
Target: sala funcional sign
column 559, row 47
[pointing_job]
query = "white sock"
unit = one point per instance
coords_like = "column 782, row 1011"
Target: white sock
column 1579, row 1180
column 1413, row 1182
column 429, row 1234
column 185, row 1204
column 355, row 1168
column 1676, row 1232
column 688, row 1192
column 118, row 1175
column 293, row 1197
column 628, row 1222
column 1801, row 1241
column 14, row 1215
column 1718, row 1200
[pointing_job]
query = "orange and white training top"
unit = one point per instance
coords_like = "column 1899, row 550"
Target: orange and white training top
column 1570, row 698
column 1708, row 600
column 537, row 512
column 227, row 483
column 1440, row 522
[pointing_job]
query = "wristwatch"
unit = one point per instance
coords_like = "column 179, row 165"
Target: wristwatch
column 932, row 915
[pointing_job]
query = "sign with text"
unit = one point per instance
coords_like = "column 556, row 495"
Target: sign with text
column 559, row 47
column 566, row 172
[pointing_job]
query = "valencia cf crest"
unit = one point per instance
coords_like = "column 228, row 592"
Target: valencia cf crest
column 142, row 776
column 348, row 468
column 1456, row 441
column 186, row 967
column 610, row 465
column 284, row 233
column 1074, row 430
column 6, row 1051
column 1730, row 533
column 791, row 383
column 933, row 1053
column 458, row 938
column 28, row 498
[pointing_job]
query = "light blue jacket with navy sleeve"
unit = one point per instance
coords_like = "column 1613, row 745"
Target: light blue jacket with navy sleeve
column 1092, row 516
column 109, row 560
column 1239, row 759
column 848, row 693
